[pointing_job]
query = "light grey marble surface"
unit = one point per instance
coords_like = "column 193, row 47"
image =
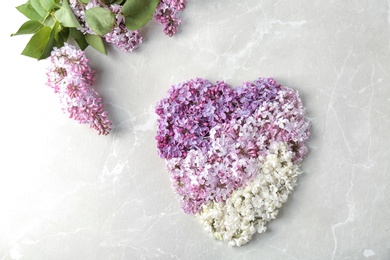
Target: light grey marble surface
column 67, row 193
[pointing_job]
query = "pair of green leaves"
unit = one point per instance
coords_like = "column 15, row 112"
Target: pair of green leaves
column 52, row 22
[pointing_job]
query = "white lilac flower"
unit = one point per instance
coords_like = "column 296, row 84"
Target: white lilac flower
column 250, row 208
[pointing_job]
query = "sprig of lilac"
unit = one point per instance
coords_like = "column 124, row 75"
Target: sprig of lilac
column 71, row 78
column 125, row 39
column 167, row 14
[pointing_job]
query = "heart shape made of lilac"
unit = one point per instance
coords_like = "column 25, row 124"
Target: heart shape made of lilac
column 218, row 141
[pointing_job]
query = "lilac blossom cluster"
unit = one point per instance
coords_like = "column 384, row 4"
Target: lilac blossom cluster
column 167, row 14
column 71, row 78
column 125, row 39
column 212, row 135
column 189, row 112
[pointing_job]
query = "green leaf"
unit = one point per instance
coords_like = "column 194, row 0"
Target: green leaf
column 138, row 12
column 49, row 21
column 96, row 42
column 118, row 2
column 132, row 7
column 29, row 11
column 49, row 4
column 29, row 27
column 40, row 44
column 49, row 46
column 61, row 34
column 43, row 6
column 100, row 20
column 85, row 1
column 79, row 38
column 36, row 4
column 65, row 16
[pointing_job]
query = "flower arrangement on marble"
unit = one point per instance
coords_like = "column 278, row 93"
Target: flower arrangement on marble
column 233, row 154
column 58, row 25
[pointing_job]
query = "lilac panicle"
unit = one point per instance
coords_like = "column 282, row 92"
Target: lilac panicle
column 71, row 78
column 167, row 14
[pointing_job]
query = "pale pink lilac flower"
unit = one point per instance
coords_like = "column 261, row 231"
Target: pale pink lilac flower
column 71, row 78
column 125, row 39
column 167, row 14
column 78, row 9
column 203, row 177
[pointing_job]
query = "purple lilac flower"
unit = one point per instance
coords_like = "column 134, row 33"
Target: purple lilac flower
column 72, row 79
column 125, row 39
column 203, row 177
column 167, row 14
column 78, row 9
column 189, row 112
column 212, row 136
